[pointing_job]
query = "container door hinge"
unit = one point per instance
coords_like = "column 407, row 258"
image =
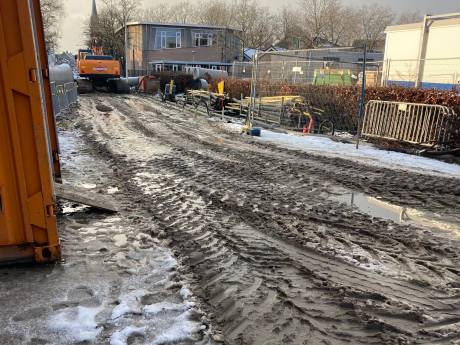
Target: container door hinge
column 50, row 210
column 33, row 75
column 1, row 202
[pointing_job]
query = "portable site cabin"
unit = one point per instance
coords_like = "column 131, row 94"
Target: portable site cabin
column 425, row 54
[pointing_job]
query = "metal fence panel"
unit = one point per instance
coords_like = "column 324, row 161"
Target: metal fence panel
column 420, row 124
column 63, row 96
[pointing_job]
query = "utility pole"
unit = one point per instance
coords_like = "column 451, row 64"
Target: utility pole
column 363, row 95
column 126, row 47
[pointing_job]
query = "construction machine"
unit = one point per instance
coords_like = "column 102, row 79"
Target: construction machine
column 97, row 71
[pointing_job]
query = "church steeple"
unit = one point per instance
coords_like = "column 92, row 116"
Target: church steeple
column 93, row 24
column 94, row 10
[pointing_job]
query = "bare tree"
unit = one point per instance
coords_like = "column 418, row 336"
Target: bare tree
column 161, row 13
column 258, row 26
column 182, row 12
column 106, row 30
column 314, row 13
column 215, row 12
column 374, row 20
column 127, row 10
column 409, row 17
column 327, row 21
column 340, row 24
column 52, row 12
column 291, row 34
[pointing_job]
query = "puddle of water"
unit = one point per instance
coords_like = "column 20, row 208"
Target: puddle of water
column 400, row 215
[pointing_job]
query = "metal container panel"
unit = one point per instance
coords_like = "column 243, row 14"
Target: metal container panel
column 28, row 230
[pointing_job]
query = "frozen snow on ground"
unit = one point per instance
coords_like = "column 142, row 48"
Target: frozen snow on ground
column 365, row 154
column 129, row 304
column 112, row 190
column 78, row 323
column 182, row 329
column 121, row 337
column 185, row 293
column 157, row 308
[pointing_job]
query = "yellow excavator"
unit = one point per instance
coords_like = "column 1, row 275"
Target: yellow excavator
column 29, row 153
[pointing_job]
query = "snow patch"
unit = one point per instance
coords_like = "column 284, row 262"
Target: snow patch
column 87, row 185
column 366, row 154
column 157, row 308
column 182, row 329
column 129, row 304
column 120, row 240
column 112, row 190
column 78, row 323
column 121, row 337
column 74, row 209
column 185, row 293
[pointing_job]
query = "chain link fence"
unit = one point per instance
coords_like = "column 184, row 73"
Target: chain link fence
column 441, row 74
column 304, row 94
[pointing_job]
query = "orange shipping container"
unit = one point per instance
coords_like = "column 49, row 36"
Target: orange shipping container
column 28, row 230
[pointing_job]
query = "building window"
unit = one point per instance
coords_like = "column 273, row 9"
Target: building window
column 169, row 39
column 158, row 68
column 202, row 39
column 331, row 58
column 175, row 68
column 178, row 39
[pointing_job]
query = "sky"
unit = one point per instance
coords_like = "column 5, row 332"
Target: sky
column 78, row 11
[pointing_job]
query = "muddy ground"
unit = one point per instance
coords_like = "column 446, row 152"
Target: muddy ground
column 278, row 246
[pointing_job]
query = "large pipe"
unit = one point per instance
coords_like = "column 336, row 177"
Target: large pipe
column 132, row 81
column 61, row 74
column 202, row 73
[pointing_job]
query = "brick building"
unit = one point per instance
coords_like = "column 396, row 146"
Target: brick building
column 160, row 47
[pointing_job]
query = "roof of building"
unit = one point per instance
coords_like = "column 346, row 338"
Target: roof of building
column 250, row 52
column 180, row 25
column 415, row 26
column 191, row 63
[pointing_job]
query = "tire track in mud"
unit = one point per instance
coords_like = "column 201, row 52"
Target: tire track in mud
column 400, row 187
column 264, row 289
column 274, row 185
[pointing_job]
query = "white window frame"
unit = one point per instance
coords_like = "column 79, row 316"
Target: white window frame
column 163, row 39
column 196, row 38
column 200, row 35
column 178, row 39
column 158, row 67
column 175, row 68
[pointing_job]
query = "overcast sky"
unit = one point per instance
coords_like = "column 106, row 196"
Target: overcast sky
column 77, row 11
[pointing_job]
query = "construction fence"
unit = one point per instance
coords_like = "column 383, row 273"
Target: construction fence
column 442, row 74
column 324, row 96
column 63, row 95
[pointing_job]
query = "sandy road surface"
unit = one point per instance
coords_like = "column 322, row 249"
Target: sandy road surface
column 268, row 247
